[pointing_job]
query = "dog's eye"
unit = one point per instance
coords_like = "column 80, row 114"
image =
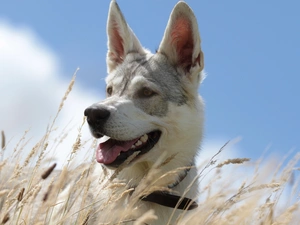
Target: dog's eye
column 146, row 92
column 109, row 91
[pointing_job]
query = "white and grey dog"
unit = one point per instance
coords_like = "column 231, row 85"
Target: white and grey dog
column 153, row 108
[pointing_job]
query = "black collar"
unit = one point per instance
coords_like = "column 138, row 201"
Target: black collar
column 169, row 200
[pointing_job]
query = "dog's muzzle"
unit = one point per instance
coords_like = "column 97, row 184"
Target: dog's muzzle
column 96, row 115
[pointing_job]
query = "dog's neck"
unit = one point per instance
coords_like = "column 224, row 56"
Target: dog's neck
column 167, row 199
column 170, row 200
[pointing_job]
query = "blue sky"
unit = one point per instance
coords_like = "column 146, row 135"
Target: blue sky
column 251, row 49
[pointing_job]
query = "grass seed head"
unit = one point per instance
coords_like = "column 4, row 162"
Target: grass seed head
column 48, row 171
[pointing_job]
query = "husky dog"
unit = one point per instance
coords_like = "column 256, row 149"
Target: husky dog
column 153, row 111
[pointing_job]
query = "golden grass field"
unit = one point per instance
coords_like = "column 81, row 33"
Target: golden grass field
column 234, row 191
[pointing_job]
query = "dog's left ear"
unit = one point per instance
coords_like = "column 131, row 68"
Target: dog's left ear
column 181, row 41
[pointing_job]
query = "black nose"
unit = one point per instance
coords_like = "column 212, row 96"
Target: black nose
column 96, row 115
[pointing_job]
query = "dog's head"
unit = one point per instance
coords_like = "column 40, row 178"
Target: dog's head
column 152, row 99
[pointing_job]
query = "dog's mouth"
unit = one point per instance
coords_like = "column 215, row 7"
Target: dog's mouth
column 113, row 153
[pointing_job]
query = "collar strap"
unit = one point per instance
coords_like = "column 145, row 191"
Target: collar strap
column 170, row 200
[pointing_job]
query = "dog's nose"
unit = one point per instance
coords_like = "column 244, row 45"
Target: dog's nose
column 96, row 114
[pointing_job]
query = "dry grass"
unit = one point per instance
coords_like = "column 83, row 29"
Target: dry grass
column 234, row 191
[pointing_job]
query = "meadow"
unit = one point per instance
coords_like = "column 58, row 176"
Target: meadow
column 232, row 191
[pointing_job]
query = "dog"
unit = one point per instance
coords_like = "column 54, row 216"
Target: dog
column 153, row 115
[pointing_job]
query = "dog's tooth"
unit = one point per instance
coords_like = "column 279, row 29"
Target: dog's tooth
column 132, row 147
column 104, row 139
column 138, row 143
column 144, row 138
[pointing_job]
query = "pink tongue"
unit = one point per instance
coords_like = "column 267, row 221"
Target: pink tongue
column 108, row 151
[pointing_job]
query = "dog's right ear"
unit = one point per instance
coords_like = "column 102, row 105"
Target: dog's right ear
column 121, row 39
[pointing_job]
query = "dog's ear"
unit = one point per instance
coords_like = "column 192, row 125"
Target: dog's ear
column 121, row 39
column 181, row 41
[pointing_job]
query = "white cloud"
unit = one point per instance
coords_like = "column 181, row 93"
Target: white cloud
column 32, row 87
column 212, row 146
